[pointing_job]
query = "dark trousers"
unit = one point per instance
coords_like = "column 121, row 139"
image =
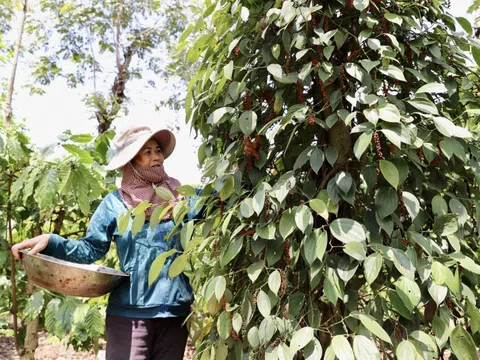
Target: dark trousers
column 145, row 339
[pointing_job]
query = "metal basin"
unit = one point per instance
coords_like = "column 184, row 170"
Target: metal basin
column 70, row 278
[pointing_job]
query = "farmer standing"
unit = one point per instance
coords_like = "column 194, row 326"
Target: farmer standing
column 143, row 322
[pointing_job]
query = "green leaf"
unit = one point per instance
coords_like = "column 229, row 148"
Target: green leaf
column 406, row 350
column 369, row 64
column 237, row 322
column 342, row 348
column 439, row 205
column 474, row 316
column 389, row 113
column 402, row 262
column 232, row 251
column 466, row 262
column 360, row 4
column 287, row 224
column 303, row 158
column 424, row 105
column 303, row 217
column 266, row 232
column 123, row 220
column 412, row 204
column 140, row 208
column 462, row 344
column 409, row 292
column 316, row 159
column 157, row 266
column 356, row 250
column 438, row 293
column 347, row 230
column 390, row 172
column 371, row 324
column 248, row 122
column 254, row 270
column 398, row 306
column 228, row 70
column 50, row 315
column 224, row 325
column 449, row 129
column 394, row 18
column 220, row 286
column 178, row 266
column 275, row 70
column 246, row 208
column 319, row 207
column 440, row 273
column 446, row 224
column 253, row 338
column 432, row 88
column 45, row 193
column 321, row 239
column 365, row 349
column 354, row 70
column 186, row 233
column 393, row 72
column 157, row 215
column 386, row 202
column 34, row 305
column 81, row 138
column 259, row 200
column 164, row 193
column 138, row 222
column 274, row 281
column 301, row 338
column 83, row 155
column 264, row 304
column 313, row 350
column 372, row 266
column 362, row 144
column 218, row 114
column 422, row 241
column 344, row 181
column 186, row 190
column 227, row 189
column 425, row 339
column 465, row 25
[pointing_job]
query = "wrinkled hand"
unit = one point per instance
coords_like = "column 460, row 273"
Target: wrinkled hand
column 36, row 244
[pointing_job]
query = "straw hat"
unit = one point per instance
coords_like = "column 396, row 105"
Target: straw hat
column 131, row 141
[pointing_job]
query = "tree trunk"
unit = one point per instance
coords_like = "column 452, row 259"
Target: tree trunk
column 12, row 265
column 11, row 80
column 31, row 334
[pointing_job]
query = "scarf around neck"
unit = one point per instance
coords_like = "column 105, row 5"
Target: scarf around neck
column 138, row 185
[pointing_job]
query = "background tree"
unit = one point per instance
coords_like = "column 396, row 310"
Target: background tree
column 341, row 138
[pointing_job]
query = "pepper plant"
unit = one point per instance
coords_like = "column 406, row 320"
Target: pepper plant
column 342, row 161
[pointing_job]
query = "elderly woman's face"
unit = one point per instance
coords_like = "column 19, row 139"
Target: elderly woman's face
column 150, row 155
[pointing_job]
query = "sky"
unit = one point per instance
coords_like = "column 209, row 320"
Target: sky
column 62, row 108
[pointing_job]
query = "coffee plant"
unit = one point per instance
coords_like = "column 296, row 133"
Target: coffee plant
column 342, row 160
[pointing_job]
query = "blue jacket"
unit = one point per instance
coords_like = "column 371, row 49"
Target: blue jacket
column 134, row 298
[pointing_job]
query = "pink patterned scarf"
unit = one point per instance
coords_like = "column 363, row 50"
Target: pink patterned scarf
column 137, row 186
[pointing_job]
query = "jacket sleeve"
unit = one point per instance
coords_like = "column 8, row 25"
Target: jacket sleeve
column 93, row 246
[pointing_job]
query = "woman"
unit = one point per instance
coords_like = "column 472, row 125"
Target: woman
column 143, row 322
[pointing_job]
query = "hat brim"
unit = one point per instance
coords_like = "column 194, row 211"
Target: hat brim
column 165, row 138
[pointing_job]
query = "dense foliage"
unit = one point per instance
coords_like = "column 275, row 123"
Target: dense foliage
column 50, row 196
column 341, row 138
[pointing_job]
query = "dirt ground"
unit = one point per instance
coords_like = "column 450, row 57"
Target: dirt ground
column 47, row 350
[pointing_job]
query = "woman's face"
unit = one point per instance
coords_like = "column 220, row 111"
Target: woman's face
column 150, row 155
